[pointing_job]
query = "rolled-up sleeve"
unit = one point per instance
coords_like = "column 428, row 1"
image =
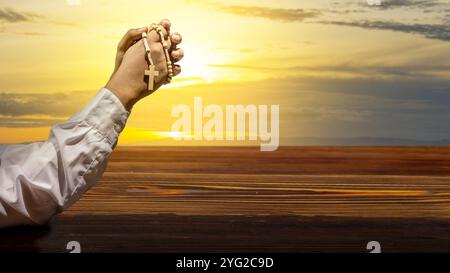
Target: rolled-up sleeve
column 39, row 180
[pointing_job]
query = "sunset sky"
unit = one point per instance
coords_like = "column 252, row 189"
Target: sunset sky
column 338, row 69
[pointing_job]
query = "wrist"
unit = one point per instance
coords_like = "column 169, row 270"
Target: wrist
column 125, row 96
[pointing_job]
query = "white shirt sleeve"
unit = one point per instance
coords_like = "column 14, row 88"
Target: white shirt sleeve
column 39, row 180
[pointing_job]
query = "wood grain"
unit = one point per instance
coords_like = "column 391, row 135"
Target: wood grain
column 322, row 199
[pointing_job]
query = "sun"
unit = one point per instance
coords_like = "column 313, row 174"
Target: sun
column 196, row 65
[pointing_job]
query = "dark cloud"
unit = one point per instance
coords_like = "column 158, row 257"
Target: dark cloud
column 363, row 6
column 13, row 16
column 414, row 108
column 280, row 14
column 406, row 108
column 26, row 110
column 344, row 11
column 439, row 31
column 411, row 71
column 10, row 15
column 389, row 4
column 13, row 122
column 55, row 105
column 431, row 31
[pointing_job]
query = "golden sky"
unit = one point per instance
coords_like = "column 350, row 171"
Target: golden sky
column 338, row 69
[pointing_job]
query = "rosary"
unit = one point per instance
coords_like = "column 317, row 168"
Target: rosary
column 152, row 72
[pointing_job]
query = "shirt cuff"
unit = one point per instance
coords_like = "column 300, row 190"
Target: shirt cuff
column 106, row 114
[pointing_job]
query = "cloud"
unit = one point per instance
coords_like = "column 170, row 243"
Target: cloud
column 345, row 11
column 288, row 15
column 279, row 14
column 347, row 107
column 14, row 122
column 55, row 105
column 389, row 4
column 27, row 110
column 10, row 15
column 438, row 31
column 368, row 71
column 431, row 31
column 408, row 108
column 30, row 33
column 13, row 16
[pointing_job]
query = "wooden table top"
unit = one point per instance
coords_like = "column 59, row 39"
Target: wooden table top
column 297, row 199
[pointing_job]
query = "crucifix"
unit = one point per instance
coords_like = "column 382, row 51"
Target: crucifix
column 151, row 73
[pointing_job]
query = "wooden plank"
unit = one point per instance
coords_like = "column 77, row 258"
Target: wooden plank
column 240, row 199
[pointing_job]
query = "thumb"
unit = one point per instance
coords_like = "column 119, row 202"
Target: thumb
column 130, row 38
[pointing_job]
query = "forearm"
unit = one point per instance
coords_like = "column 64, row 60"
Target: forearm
column 41, row 179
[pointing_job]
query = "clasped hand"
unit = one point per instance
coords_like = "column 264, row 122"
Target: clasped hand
column 128, row 81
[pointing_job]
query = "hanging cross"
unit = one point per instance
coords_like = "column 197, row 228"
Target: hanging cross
column 151, row 73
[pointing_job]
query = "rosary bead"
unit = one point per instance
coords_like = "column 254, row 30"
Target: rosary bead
column 166, row 45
